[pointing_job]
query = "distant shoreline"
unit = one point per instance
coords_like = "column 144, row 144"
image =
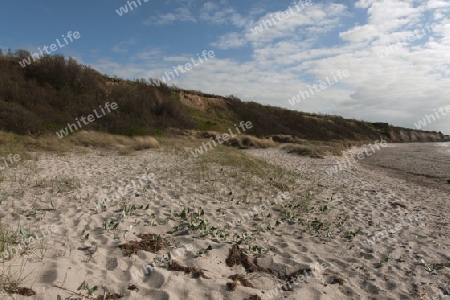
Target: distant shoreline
column 427, row 164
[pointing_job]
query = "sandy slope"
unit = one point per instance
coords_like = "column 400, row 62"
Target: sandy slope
column 359, row 202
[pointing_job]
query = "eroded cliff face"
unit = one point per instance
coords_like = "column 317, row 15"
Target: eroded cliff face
column 201, row 102
column 397, row 135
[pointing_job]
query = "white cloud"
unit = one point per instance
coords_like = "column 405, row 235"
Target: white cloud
column 122, row 46
column 290, row 23
column 210, row 12
column 181, row 14
column 230, row 40
column 221, row 15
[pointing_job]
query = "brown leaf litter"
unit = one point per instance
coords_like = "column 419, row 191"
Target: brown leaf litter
column 149, row 242
column 238, row 257
column 196, row 273
column 21, row 291
column 337, row 280
column 253, row 297
column 109, row 297
column 238, row 280
column 395, row 204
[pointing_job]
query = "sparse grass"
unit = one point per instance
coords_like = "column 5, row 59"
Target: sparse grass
column 11, row 144
column 304, row 150
column 17, row 144
column 245, row 166
column 315, row 149
column 62, row 184
column 246, row 141
column 319, row 149
column 235, row 158
column 179, row 144
column 8, row 239
column 105, row 140
column 11, row 278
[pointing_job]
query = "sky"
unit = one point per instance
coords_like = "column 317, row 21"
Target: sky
column 372, row 60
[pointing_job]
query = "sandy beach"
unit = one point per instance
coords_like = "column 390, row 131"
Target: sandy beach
column 426, row 164
column 263, row 225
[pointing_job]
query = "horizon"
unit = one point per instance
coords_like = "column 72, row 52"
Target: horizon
column 285, row 54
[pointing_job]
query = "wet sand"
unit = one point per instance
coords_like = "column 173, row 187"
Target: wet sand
column 425, row 164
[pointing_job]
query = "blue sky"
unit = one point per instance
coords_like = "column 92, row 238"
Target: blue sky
column 305, row 43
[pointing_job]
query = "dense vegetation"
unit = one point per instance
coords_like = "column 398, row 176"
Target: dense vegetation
column 51, row 92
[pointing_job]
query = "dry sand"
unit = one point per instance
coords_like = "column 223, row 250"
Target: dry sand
column 324, row 226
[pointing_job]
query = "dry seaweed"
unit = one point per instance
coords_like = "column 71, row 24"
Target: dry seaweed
column 149, row 242
column 196, row 273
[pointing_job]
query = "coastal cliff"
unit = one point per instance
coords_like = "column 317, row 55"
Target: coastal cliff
column 54, row 92
column 213, row 110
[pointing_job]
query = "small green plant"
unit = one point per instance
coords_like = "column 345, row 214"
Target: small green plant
column 230, row 196
column 434, row 266
column 85, row 287
column 25, row 233
column 111, row 225
column 103, row 205
column 93, row 243
column 350, row 234
column 153, row 219
column 205, row 251
column 244, row 238
column 157, row 132
column 385, row 259
column 258, row 249
column 135, row 130
column 163, row 261
column 401, row 258
column 193, row 219
column 128, row 210
column 341, row 221
column 144, row 208
column 318, row 225
column 53, row 205
column 270, row 228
